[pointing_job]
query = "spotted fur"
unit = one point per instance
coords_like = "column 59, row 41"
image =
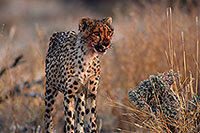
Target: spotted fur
column 73, row 68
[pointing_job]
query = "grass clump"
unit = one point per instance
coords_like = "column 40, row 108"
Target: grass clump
column 154, row 92
column 162, row 108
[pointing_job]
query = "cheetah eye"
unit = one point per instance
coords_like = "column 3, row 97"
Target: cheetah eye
column 109, row 33
column 96, row 33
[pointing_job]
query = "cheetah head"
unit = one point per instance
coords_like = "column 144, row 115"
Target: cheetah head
column 97, row 33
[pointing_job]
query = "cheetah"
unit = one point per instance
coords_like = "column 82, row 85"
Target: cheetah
column 73, row 68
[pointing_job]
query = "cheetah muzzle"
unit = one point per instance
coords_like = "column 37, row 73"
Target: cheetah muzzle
column 72, row 67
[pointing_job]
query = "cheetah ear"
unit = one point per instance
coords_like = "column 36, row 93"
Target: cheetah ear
column 84, row 22
column 108, row 20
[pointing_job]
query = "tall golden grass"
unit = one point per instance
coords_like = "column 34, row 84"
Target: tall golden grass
column 146, row 41
column 181, row 56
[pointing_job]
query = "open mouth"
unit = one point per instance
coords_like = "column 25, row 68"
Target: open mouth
column 99, row 49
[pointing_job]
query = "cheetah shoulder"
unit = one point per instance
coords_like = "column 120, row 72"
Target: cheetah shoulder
column 60, row 38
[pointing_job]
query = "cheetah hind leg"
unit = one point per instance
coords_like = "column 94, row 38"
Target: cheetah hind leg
column 50, row 97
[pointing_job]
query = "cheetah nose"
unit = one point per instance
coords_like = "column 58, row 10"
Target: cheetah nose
column 106, row 44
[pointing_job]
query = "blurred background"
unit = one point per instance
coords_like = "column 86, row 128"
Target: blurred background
column 149, row 38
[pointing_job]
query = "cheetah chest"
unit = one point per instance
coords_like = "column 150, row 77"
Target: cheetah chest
column 83, row 70
column 81, row 66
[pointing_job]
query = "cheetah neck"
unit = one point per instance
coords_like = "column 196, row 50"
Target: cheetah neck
column 84, row 49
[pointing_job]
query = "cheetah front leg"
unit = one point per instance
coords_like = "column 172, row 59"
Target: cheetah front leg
column 91, row 104
column 80, row 111
column 69, row 105
column 69, row 100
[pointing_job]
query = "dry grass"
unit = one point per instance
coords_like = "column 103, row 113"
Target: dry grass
column 171, row 42
column 146, row 41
